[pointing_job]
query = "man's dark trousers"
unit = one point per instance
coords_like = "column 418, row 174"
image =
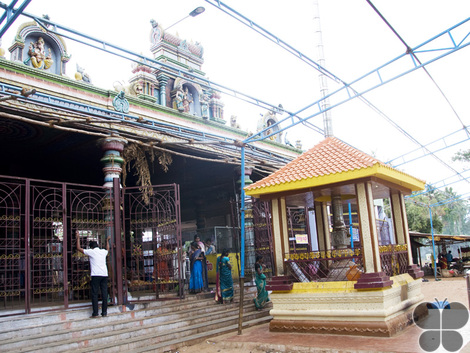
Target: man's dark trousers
column 99, row 283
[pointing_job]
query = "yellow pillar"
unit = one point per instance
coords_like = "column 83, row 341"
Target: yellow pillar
column 368, row 228
column 397, row 215
column 323, row 226
column 284, row 229
column 279, row 230
column 406, row 233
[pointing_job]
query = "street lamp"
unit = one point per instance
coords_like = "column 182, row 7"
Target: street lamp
column 194, row 13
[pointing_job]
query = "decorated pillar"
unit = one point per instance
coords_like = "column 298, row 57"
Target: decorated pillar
column 250, row 256
column 323, row 227
column 397, row 218
column 112, row 160
column 280, row 234
column 373, row 277
column 162, row 80
column 277, row 241
column 406, row 234
column 402, row 235
column 340, row 234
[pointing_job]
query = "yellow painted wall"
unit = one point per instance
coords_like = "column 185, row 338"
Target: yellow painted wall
column 212, row 261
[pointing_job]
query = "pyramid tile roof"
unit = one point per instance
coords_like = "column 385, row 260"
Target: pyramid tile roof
column 329, row 162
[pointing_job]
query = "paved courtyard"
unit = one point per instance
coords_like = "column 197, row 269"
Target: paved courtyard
column 259, row 340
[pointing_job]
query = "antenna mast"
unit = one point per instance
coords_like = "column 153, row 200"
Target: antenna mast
column 325, row 103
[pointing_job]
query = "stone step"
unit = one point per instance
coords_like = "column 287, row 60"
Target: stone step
column 173, row 312
column 162, row 341
column 49, row 322
column 143, row 323
column 11, row 327
column 103, row 337
column 171, row 345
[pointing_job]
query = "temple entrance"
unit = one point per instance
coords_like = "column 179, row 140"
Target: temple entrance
column 262, row 222
column 152, row 243
column 40, row 269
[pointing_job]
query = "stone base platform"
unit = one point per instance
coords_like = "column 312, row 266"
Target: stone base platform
column 339, row 308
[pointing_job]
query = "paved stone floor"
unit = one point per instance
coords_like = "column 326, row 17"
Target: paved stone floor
column 259, row 339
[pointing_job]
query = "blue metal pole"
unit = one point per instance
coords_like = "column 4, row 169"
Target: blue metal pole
column 433, row 246
column 350, row 225
column 242, row 220
column 11, row 14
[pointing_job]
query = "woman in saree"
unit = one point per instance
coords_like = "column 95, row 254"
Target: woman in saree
column 260, row 280
column 218, row 293
column 196, row 283
column 225, row 277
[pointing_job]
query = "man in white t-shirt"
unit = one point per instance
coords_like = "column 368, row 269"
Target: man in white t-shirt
column 99, row 274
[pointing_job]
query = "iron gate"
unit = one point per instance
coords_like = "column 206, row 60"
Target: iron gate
column 40, row 268
column 262, row 222
column 153, row 244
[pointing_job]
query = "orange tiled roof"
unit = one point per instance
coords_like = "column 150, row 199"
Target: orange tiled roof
column 329, row 162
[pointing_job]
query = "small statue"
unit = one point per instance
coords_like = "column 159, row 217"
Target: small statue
column 81, row 75
column 120, row 103
column 205, row 106
column 37, row 55
column 179, row 99
column 138, row 89
column 183, row 45
column 187, row 100
column 2, row 51
column 269, row 122
column 46, row 17
column 201, row 49
column 233, row 122
column 156, row 34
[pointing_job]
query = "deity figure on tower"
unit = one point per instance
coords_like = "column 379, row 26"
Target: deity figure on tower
column 37, row 55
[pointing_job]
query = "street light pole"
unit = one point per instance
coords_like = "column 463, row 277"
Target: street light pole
column 194, row 13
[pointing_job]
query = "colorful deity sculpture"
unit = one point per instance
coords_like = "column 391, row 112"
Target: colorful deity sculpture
column 37, row 55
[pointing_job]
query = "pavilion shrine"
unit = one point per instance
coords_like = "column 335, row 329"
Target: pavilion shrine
column 337, row 285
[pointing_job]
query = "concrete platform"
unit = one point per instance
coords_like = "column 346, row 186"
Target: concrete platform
column 260, row 339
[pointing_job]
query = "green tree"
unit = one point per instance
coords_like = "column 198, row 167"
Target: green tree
column 462, row 156
column 417, row 212
column 455, row 213
column 451, row 217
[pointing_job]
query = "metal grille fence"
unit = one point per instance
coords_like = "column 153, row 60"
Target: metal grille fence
column 153, row 243
column 91, row 215
column 263, row 234
column 343, row 264
column 330, row 265
column 394, row 259
column 12, row 245
column 40, row 268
